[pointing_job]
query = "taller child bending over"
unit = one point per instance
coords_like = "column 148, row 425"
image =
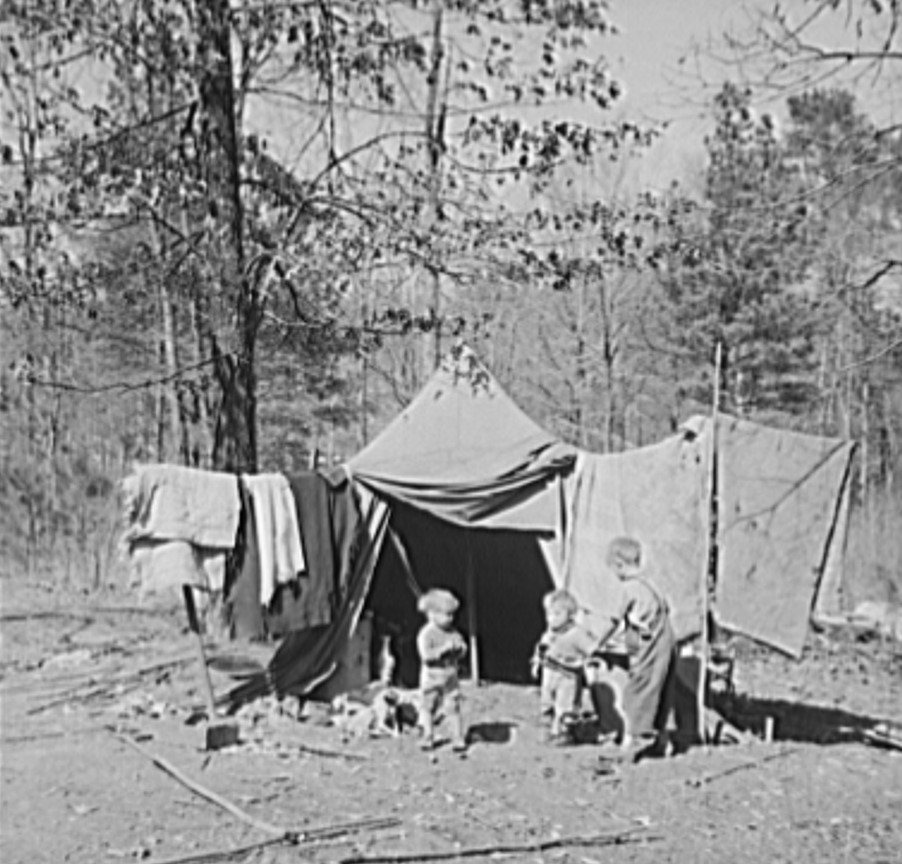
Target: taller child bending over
column 651, row 647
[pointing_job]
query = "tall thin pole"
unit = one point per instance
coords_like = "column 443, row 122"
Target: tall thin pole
column 472, row 619
column 710, row 540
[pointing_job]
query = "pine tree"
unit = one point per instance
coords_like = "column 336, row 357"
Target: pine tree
column 736, row 272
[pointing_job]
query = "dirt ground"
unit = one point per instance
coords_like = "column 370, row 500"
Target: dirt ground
column 81, row 678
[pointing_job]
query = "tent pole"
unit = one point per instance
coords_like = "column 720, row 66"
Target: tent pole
column 471, row 612
column 711, row 527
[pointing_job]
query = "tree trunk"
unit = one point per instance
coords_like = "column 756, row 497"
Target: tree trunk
column 160, row 418
column 435, row 136
column 889, row 450
column 172, row 435
column 235, row 435
column 202, row 438
column 580, row 373
column 171, row 364
column 609, row 356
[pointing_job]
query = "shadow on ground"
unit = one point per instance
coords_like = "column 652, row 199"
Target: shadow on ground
column 794, row 721
column 491, row 733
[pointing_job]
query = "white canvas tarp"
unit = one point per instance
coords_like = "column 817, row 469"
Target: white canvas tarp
column 656, row 494
column 780, row 505
column 781, row 508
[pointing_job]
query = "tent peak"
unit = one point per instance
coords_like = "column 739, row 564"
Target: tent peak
column 462, row 363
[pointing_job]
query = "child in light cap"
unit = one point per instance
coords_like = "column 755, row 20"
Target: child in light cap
column 561, row 655
column 441, row 649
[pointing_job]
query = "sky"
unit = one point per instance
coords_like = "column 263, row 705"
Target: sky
column 644, row 55
column 663, row 55
column 654, row 36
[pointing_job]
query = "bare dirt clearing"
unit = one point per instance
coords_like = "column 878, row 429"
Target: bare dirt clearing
column 82, row 677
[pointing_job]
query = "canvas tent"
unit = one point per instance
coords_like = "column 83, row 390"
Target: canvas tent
column 475, row 488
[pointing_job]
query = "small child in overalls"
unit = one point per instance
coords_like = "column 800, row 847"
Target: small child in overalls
column 441, row 649
column 561, row 656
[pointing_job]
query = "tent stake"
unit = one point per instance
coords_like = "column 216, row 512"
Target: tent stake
column 710, row 544
column 471, row 611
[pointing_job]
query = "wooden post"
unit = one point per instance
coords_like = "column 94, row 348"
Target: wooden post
column 472, row 619
column 710, row 544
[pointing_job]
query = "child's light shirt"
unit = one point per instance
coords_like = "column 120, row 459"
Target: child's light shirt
column 569, row 646
column 440, row 651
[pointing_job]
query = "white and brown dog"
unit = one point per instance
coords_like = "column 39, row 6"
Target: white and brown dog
column 375, row 711
column 380, row 708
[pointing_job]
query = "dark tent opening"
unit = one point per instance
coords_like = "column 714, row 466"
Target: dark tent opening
column 510, row 575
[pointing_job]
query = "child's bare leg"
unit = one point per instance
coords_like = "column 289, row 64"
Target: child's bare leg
column 561, row 719
column 427, row 718
column 458, row 738
column 546, row 697
column 566, row 710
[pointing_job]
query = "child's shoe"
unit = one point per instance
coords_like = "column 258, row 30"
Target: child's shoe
column 614, row 746
column 559, row 738
column 636, row 749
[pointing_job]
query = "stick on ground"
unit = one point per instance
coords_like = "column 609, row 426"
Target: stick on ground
column 609, row 839
column 281, row 835
column 709, row 778
column 331, row 754
column 226, row 854
column 92, row 688
column 311, row 837
column 211, row 796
